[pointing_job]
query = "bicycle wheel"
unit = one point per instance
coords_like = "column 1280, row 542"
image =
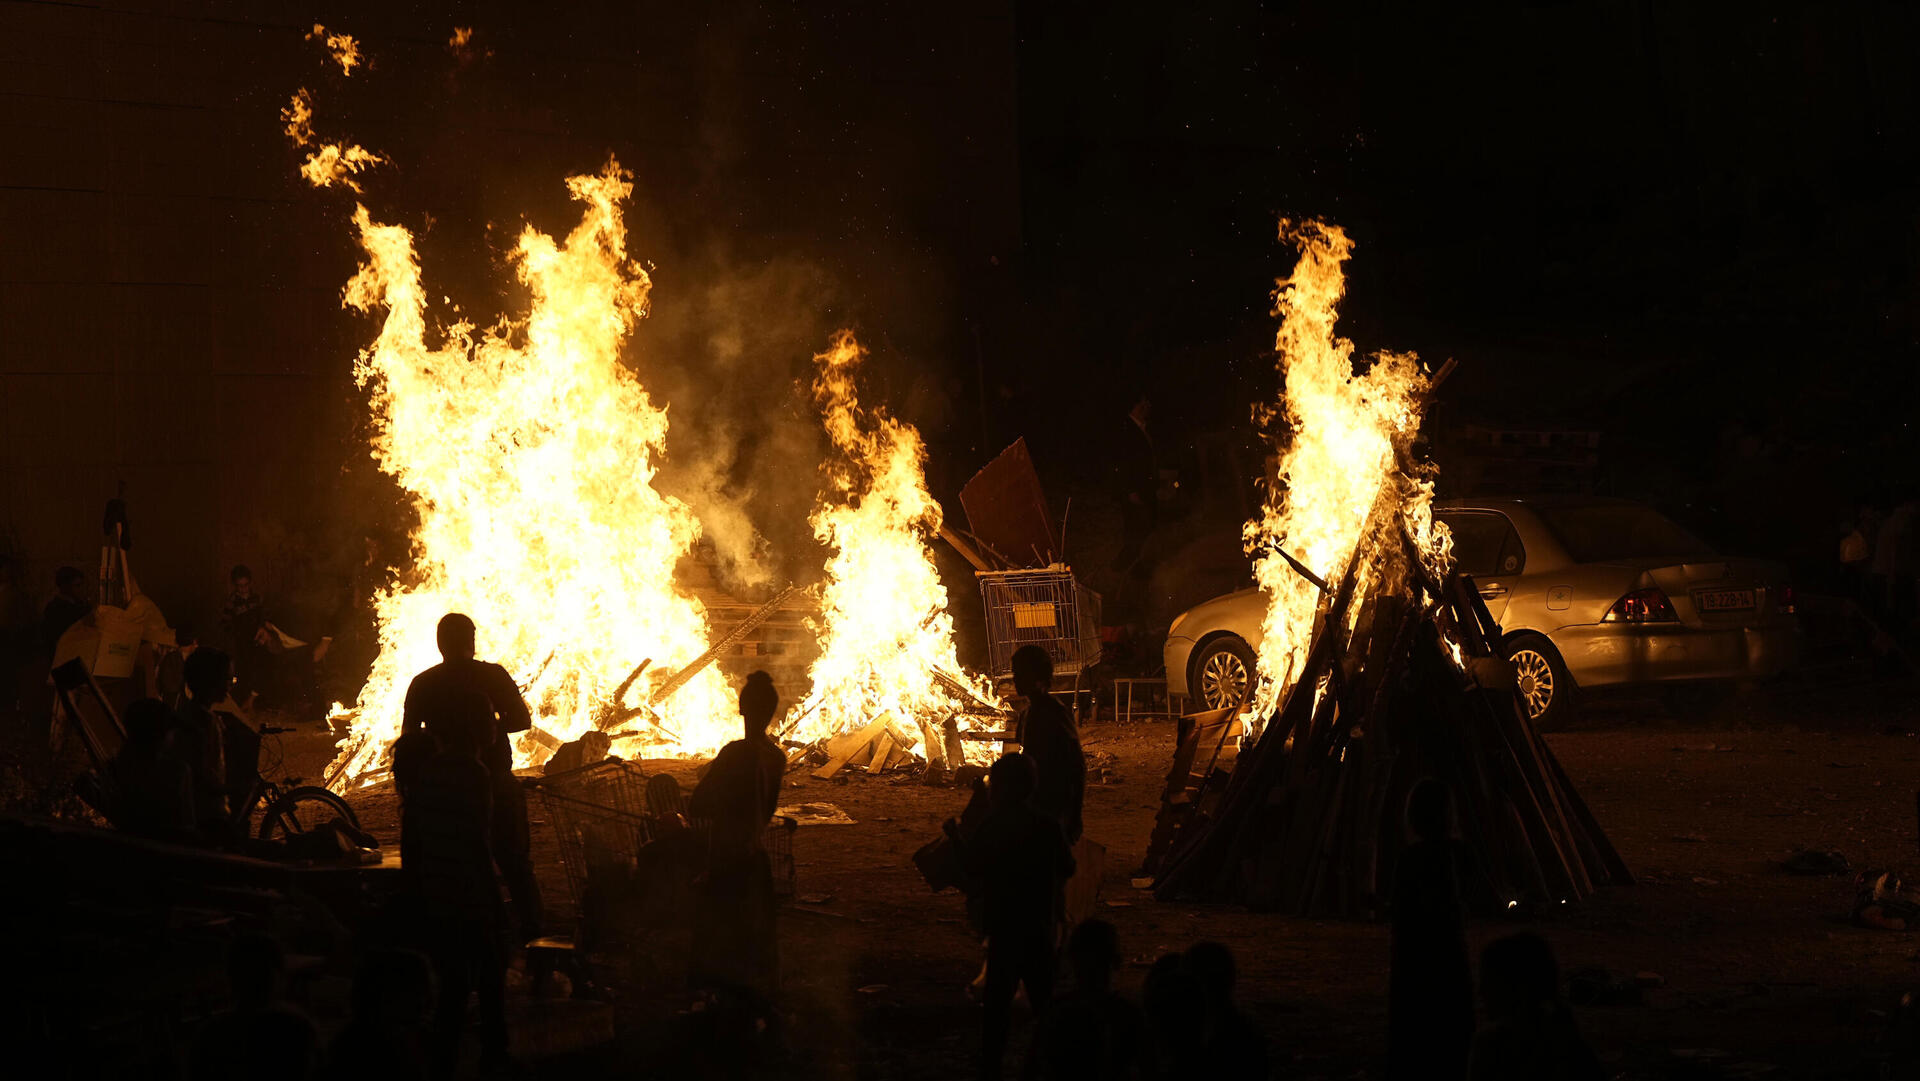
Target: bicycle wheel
column 301, row 809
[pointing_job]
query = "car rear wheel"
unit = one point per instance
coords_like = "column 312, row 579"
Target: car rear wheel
column 1546, row 690
column 1223, row 673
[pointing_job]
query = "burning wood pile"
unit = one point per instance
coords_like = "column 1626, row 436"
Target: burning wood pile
column 529, row 446
column 1379, row 667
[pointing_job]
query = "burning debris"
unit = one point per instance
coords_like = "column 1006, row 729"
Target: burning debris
column 887, row 656
column 529, row 450
column 1380, row 667
column 1335, row 434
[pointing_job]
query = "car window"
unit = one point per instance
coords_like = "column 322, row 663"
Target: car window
column 1485, row 543
column 1621, row 531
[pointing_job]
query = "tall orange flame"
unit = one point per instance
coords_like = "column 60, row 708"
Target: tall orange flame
column 884, row 627
column 530, row 450
column 1334, row 431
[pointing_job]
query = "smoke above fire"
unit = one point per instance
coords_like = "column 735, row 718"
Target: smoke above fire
column 531, row 451
column 1335, row 431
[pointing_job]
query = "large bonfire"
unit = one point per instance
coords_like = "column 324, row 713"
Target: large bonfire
column 529, row 450
column 1334, row 432
column 886, row 637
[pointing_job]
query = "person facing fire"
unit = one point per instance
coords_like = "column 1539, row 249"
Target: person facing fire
column 734, row 945
column 448, row 860
column 427, row 701
column 199, row 737
column 1016, row 862
column 1046, row 732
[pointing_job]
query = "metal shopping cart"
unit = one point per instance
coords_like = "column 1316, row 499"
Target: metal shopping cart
column 629, row 855
column 1043, row 607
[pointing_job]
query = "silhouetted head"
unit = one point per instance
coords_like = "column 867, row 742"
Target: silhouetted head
column 241, row 579
column 147, row 721
column 393, row 989
column 1212, row 967
column 208, row 674
column 1094, row 951
column 71, row 583
column 1142, row 409
column 410, row 752
column 1032, row 670
column 1010, row 780
column 463, row 722
column 254, row 967
column 664, row 796
column 1517, row 975
column 1429, row 810
column 1172, row 997
column 455, row 636
column 758, row 702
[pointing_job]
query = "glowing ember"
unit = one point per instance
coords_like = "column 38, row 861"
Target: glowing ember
column 884, row 628
column 530, row 451
column 330, row 163
column 345, row 50
column 1334, row 431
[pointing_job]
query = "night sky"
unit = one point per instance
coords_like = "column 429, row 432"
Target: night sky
column 1692, row 228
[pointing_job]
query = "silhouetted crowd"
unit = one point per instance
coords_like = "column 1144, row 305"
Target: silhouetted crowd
column 445, row 942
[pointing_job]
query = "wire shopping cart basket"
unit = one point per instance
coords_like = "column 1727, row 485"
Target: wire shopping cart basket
column 1043, row 607
column 602, row 818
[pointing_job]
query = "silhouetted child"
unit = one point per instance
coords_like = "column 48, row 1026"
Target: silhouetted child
column 263, row 1035
column 735, row 945
column 447, row 864
column 1231, row 1045
column 152, row 786
column 1176, row 1008
column 1091, row 1031
column 1530, row 1034
column 1430, row 988
column 393, row 996
column 1016, row 861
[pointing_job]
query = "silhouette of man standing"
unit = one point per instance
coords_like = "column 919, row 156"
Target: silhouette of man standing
column 1048, row 738
column 1017, row 860
column 199, row 737
column 734, row 944
column 448, row 861
column 431, row 696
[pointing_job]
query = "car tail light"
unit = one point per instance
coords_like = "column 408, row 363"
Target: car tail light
column 1642, row 606
column 1784, row 602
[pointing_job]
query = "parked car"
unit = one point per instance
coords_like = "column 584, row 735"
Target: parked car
column 1588, row 593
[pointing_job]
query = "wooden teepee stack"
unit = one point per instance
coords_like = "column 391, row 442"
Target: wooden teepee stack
column 1310, row 821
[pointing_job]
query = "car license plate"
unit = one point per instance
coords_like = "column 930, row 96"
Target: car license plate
column 1724, row 600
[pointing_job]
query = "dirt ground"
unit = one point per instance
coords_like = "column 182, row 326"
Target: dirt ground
column 1760, row 972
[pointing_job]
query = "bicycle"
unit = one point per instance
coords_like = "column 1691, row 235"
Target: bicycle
column 290, row 808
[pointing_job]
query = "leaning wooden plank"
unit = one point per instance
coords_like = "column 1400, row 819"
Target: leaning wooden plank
column 879, row 751
column 862, row 740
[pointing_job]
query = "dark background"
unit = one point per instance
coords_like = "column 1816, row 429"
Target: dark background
column 1681, row 234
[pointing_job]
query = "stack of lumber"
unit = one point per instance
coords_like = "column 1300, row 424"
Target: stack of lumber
column 1310, row 820
column 878, row 746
